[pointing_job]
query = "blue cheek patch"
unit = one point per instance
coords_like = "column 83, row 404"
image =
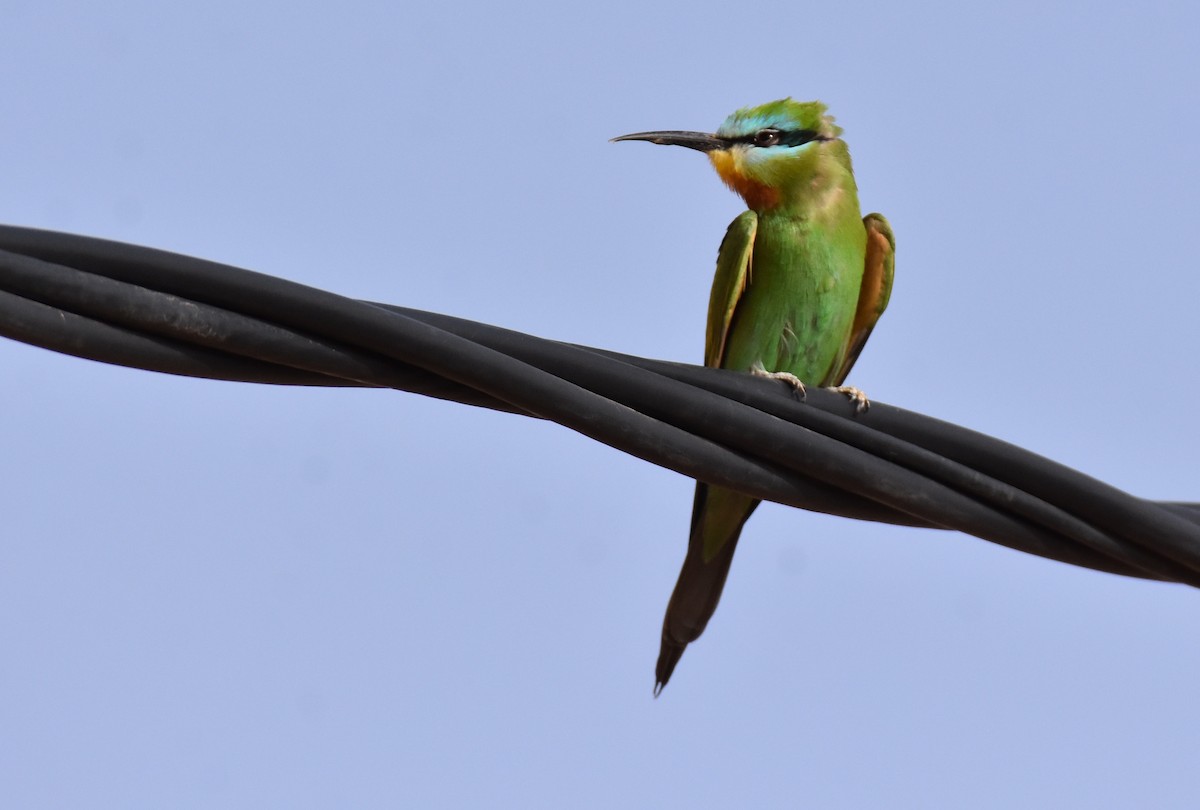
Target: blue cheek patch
column 762, row 155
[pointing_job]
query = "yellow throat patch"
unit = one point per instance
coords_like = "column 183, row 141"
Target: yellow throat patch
column 728, row 163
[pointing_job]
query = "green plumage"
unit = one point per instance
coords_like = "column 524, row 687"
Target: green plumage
column 801, row 280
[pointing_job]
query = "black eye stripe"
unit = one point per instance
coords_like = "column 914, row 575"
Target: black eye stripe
column 793, row 137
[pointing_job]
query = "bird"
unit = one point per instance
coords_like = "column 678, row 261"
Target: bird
column 801, row 280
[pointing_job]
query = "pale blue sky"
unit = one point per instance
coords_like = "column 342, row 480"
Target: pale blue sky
column 222, row 595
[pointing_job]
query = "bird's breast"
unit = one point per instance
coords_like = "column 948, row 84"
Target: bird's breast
column 800, row 301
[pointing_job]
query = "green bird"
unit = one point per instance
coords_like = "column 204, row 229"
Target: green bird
column 802, row 278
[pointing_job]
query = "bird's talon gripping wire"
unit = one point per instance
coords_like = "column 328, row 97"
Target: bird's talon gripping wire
column 856, row 395
column 798, row 389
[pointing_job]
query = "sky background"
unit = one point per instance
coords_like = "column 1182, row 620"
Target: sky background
column 238, row 596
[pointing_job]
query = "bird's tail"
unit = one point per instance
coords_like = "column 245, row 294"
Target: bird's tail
column 701, row 580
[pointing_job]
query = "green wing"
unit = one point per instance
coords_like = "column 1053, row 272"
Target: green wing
column 876, row 290
column 733, row 274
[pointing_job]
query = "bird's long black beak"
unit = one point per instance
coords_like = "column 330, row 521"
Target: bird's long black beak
column 701, row 141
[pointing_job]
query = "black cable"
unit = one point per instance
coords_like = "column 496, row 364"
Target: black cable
column 151, row 309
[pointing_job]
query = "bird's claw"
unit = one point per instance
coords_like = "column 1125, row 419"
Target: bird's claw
column 857, row 396
column 791, row 379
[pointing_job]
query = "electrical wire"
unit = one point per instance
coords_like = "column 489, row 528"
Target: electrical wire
column 144, row 308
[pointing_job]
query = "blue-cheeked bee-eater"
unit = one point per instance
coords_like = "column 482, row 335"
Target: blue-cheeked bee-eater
column 802, row 278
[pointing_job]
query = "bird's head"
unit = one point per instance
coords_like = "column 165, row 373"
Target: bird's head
column 770, row 154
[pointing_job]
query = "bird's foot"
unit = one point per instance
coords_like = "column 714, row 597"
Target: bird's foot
column 857, row 396
column 789, row 378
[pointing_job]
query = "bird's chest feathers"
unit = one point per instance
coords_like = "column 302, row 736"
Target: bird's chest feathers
column 799, row 301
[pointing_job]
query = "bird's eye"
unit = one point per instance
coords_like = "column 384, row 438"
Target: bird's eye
column 766, row 137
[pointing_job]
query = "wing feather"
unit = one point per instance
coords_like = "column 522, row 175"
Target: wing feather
column 734, row 261
column 876, row 290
